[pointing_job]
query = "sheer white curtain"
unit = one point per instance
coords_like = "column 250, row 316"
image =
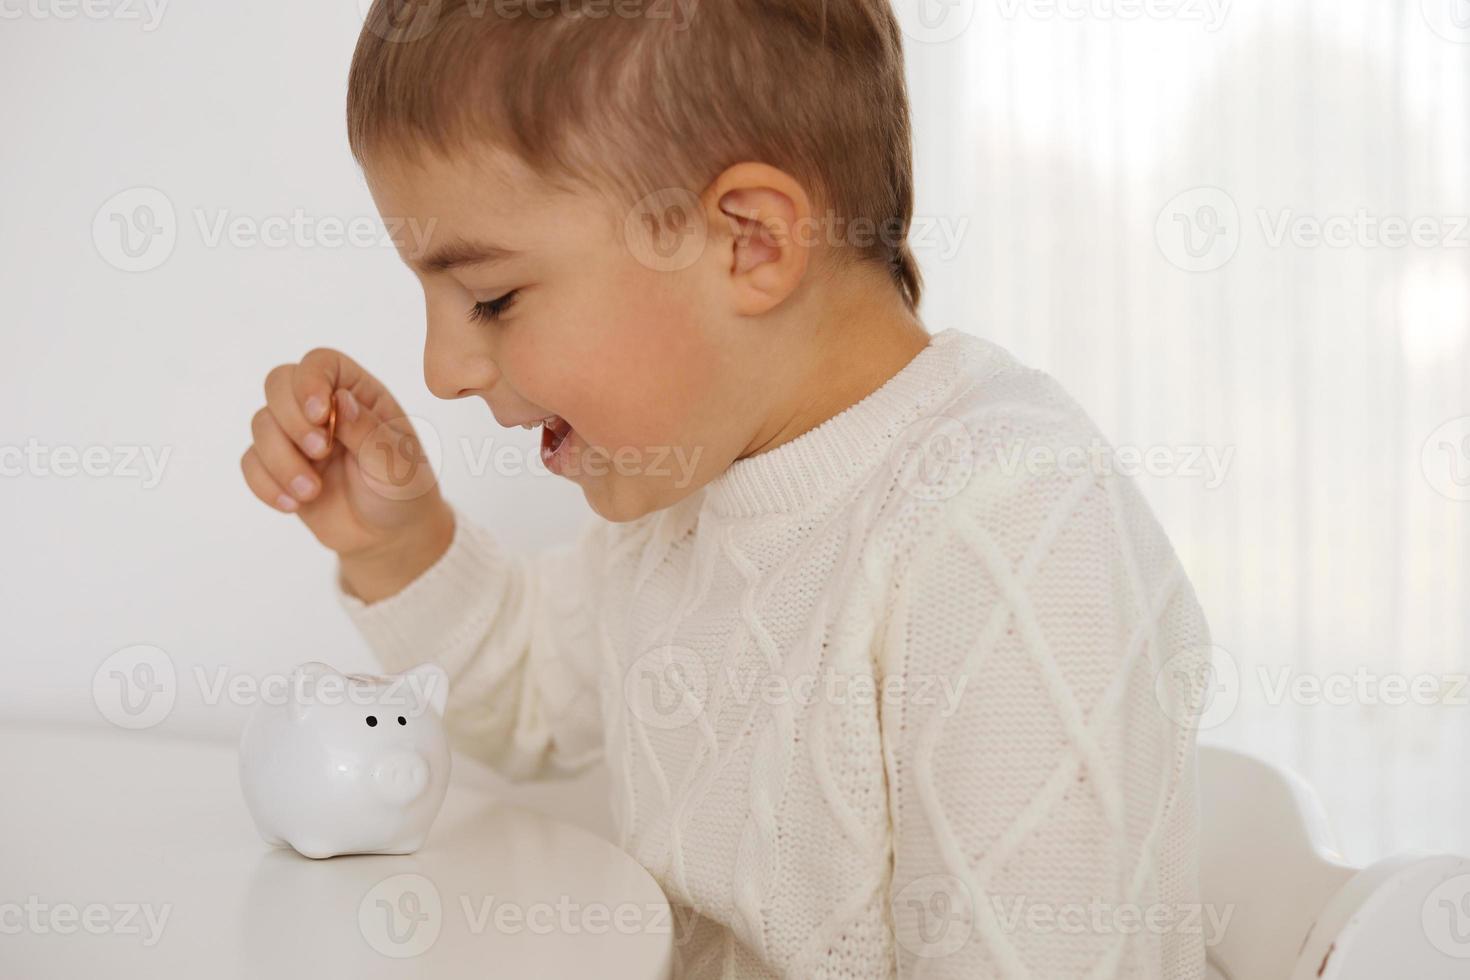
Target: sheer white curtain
column 1238, row 233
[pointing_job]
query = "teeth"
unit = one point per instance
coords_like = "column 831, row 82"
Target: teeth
column 551, row 421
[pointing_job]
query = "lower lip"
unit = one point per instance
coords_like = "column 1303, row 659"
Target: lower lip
column 555, row 461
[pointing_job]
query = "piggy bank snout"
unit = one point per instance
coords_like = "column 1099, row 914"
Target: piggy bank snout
column 400, row 777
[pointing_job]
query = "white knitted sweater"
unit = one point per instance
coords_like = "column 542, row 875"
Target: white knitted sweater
column 894, row 698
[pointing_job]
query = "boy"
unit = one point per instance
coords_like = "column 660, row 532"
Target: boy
column 877, row 700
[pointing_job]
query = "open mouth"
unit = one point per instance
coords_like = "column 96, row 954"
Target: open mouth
column 555, row 433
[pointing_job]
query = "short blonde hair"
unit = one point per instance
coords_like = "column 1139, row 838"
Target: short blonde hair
column 641, row 95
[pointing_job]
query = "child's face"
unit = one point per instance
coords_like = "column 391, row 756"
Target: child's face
column 631, row 357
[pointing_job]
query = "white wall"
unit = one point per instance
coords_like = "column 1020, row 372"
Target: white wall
column 1333, row 559
column 1048, row 148
column 228, row 110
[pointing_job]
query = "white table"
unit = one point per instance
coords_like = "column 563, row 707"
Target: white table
column 130, row 854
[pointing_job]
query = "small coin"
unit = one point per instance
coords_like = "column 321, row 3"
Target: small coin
column 332, row 423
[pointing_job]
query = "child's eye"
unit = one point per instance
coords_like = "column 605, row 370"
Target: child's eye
column 491, row 309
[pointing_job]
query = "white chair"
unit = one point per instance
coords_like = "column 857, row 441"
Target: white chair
column 1298, row 912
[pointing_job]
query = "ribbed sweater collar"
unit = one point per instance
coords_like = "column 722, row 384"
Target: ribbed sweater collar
column 837, row 452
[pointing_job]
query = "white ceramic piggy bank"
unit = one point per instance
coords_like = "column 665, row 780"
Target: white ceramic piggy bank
column 348, row 763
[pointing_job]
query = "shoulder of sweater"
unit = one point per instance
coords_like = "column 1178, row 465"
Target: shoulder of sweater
column 995, row 392
column 1019, row 454
column 999, row 427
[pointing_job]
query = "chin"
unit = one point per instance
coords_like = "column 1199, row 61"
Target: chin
column 620, row 508
column 615, row 507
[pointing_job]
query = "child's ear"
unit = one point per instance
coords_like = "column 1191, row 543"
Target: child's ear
column 761, row 232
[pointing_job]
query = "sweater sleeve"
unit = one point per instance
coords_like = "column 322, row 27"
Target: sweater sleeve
column 1044, row 814
column 516, row 636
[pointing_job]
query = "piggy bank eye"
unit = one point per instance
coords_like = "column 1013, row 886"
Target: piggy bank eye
column 372, row 721
column 402, row 720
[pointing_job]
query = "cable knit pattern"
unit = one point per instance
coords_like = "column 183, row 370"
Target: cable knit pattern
column 896, row 698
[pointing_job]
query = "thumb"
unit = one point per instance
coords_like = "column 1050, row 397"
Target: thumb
column 390, row 458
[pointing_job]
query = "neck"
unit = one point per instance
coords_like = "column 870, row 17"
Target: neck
column 855, row 347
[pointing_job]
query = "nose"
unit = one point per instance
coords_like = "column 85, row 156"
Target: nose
column 455, row 365
column 447, row 377
column 400, row 777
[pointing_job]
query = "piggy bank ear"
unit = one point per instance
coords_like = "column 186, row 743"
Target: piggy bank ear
column 430, row 686
column 306, row 688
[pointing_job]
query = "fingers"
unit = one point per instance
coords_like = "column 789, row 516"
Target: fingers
column 324, row 370
column 290, row 414
column 359, row 428
column 289, row 465
column 263, row 485
column 282, row 460
column 387, row 450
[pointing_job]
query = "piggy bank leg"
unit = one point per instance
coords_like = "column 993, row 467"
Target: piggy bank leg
column 314, row 850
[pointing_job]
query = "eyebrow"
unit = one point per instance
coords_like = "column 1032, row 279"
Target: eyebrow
column 461, row 252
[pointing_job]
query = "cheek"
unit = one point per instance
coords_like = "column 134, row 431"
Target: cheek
column 646, row 368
